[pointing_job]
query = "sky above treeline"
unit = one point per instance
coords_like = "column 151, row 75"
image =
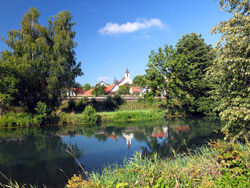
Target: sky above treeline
column 114, row 35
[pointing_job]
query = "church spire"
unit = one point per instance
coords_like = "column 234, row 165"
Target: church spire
column 127, row 74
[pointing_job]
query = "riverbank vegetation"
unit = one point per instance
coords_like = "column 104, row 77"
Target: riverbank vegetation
column 90, row 117
column 222, row 165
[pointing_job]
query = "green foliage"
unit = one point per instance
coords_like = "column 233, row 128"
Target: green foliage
column 7, row 84
column 89, row 116
column 233, row 161
column 193, row 58
column 139, row 81
column 20, row 120
column 87, row 87
column 43, row 58
column 42, row 112
column 158, row 73
column 200, row 168
column 131, row 115
column 140, row 104
column 124, row 89
column 231, row 69
column 180, row 74
column 148, row 98
column 99, row 90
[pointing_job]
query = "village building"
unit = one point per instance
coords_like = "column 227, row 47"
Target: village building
column 111, row 89
column 125, row 80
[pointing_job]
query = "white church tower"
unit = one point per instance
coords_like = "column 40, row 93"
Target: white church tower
column 127, row 74
column 126, row 79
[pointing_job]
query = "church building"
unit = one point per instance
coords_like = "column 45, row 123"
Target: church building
column 126, row 79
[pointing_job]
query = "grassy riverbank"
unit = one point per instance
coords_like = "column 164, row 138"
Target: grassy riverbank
column 131, row 115
column 114, row 116
column 223, row 165
column 113, row 109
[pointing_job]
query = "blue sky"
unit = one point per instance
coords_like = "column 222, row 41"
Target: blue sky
column 113, row 35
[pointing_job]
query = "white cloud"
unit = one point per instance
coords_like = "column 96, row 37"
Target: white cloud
column 130, row 27
column 103, row 78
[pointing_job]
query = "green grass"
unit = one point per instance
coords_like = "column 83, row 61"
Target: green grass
column 136, row 105
column 19, row 120
column 114, row 116
column 131, row 115
column 224, row 165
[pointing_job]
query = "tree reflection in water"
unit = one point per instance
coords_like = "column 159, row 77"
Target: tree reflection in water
column 36, row 158
column 182, row 135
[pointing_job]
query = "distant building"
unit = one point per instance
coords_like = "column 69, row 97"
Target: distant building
column 110, row 89
column 125, row 80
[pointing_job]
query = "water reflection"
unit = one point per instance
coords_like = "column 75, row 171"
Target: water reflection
column 35, row 156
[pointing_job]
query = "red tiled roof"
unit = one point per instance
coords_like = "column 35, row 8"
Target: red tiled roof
column 134, row 89
column 87, row 93
column 127, row 71
column 109, row 88
column 79, row 90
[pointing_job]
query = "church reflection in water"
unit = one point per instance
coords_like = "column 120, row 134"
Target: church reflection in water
column 161, row 132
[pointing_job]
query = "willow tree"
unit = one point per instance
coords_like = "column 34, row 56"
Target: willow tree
column 43, row 58
column 231, row 69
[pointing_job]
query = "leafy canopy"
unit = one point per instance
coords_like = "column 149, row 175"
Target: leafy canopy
column 43, row 58
column 231, row 69
column 179, row 73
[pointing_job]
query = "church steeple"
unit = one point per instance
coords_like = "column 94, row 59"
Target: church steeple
column 127, row 74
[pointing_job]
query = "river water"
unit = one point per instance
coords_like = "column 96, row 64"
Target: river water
column 39, row 156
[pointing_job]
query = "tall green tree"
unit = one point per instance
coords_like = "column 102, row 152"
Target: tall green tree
column 193, row 58
column 64, row 67
column 180, row 73
column 231, row 69
column 43, row 58
column 159, row 74
column 87, row 87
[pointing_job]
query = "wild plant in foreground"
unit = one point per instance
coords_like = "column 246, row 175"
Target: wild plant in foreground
column 199, row 168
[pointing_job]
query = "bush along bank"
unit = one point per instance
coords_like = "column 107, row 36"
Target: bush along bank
column 223, row 165
column 25, row 119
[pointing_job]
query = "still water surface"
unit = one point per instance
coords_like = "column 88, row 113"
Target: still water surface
column 38, row 156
